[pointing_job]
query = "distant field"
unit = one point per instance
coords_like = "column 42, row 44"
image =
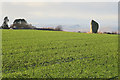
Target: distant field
column 57, row 54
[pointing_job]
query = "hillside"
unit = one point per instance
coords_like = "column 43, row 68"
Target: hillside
column 58, row 54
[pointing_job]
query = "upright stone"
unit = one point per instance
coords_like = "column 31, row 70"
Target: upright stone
column 94, row 27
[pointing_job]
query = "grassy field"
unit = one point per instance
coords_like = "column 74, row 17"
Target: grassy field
column 57, row 54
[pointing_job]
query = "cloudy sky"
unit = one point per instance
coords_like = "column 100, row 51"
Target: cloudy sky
column 74, row 16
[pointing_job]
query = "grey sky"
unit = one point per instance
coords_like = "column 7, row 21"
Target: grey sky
column 68, row 14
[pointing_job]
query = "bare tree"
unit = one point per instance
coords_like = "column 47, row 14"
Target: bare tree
column 58, row 28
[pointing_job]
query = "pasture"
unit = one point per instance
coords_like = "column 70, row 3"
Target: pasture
column 58, row 54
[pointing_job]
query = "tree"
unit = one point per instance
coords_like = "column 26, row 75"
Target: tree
column 21, row 24
column 58, row 28
column 5, row 23
column 20, row 21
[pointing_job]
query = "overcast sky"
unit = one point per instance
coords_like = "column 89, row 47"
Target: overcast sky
column 69, row 14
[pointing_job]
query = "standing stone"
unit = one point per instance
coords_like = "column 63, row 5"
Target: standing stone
column 5, row 23
column 94, row 27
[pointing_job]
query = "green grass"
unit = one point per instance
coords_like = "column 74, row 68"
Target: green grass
column 57, row 54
